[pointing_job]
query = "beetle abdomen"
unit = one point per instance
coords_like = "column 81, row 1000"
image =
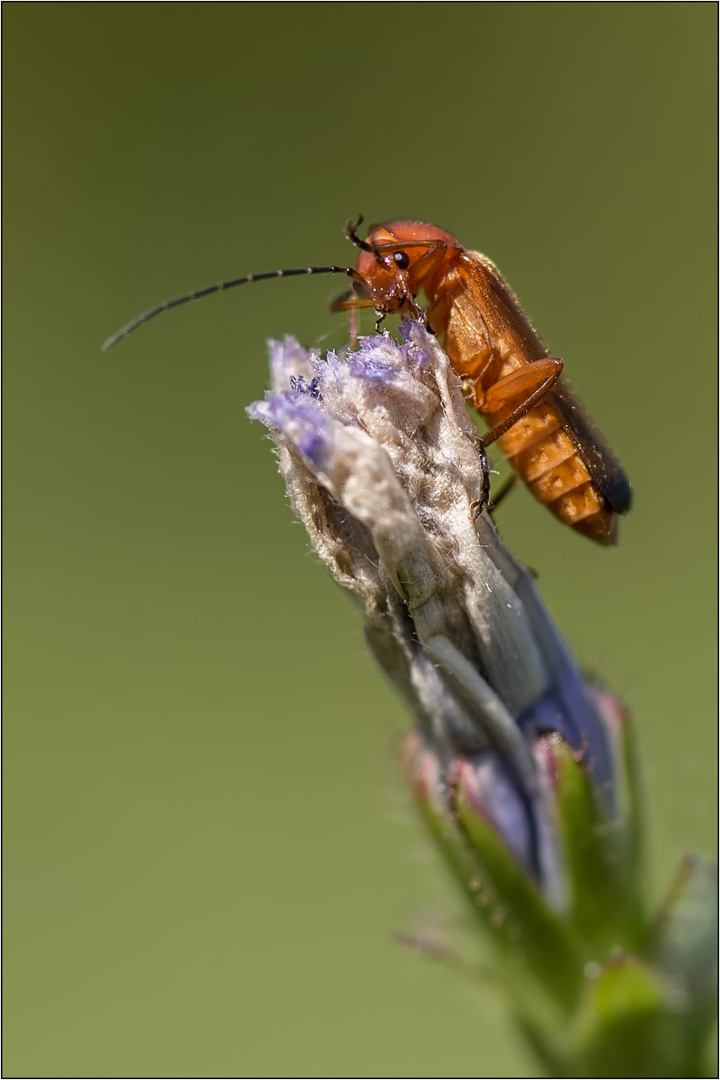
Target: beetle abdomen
column 545, row 458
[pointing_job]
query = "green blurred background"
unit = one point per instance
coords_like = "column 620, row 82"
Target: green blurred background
column 208, row 847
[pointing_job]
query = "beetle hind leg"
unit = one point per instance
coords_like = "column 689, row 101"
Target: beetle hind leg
column 531, row 381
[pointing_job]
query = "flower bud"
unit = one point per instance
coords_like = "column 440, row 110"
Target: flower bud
column 524, row 772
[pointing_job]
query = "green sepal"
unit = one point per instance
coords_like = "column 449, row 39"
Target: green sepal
column 539, row 941
column 604, row 906
column 626, row 1027
column 628, row 793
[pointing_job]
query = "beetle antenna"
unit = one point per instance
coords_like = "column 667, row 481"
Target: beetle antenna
column 351, row 235
column 199, row 293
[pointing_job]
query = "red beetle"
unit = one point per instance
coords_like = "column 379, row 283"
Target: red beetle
column 510, row 378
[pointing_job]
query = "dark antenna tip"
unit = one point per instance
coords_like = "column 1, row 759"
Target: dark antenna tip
column 351, row 234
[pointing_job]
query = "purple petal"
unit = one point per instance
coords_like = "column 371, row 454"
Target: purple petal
column 493, row 794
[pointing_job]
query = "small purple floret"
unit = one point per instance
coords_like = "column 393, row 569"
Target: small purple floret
column 300, row 385
column 300, row 419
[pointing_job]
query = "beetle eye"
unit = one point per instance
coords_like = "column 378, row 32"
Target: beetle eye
column 402, row 259
column 358, row 287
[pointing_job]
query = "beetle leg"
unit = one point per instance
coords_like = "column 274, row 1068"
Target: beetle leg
column 430, row 261
column 507, row 487
column 353, row 328
column 347, row 300
column 533, row 380
column 480, row 504
column 477, row 370
column 402, row 245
